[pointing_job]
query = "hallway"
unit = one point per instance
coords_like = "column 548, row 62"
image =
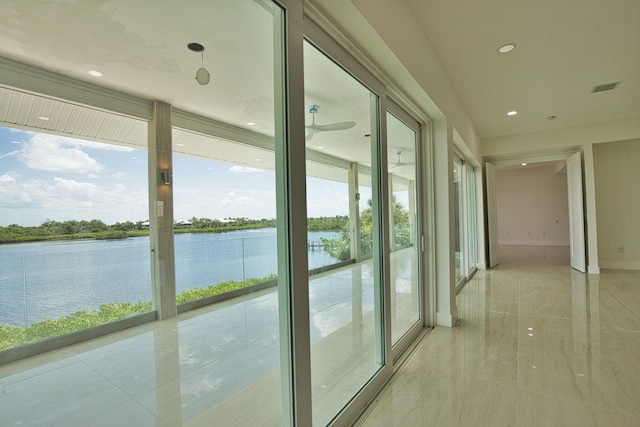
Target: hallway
column 537, row 345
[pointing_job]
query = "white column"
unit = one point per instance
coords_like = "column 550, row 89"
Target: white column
column 354, row 212
column 593, row 266
column 163, row 275
column 412, row 214
column 446, row 309
column 392, row 226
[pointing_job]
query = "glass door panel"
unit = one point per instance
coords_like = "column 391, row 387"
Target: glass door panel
column 459, row 218
column 471, row 220
column 405, row 247
column 227, row 227
column 342, row 301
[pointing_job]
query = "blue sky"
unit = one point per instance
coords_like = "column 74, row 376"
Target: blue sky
column 46, row 176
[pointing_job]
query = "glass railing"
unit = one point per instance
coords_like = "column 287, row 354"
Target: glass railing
column 53, row 288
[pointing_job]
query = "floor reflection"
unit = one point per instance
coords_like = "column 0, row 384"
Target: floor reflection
column 216, row 365
column 537, row 345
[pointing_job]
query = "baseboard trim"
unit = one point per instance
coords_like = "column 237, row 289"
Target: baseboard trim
column 620, row 265
column 446, row 319
column 532, row 243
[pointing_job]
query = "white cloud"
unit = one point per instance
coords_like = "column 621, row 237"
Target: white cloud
column 243, row 169
column 8, row 178
column 73, row 190
column 29, row 202
column 74, row 142
column 9, row 154
column 234, row 199
column 55, row 153
column 49, row 155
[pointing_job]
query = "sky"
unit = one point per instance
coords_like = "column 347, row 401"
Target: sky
column 45, row 176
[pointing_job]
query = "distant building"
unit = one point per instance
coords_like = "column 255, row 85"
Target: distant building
column 182, row 223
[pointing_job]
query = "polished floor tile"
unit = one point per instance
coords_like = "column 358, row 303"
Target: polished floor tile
column 536, row 345
column 217, row 365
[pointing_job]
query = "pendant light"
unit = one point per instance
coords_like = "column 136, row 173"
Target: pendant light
column 202, row 74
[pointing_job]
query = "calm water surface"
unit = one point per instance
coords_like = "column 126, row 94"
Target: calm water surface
column 51, row 279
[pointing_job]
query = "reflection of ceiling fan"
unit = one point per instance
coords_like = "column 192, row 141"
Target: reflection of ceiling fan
column 399, row 162
column 313, row 128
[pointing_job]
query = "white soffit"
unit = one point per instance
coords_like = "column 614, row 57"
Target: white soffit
column 39, row 113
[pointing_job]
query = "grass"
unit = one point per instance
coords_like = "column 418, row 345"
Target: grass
column 15, row 336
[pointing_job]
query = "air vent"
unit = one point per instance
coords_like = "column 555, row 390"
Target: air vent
column 605, row 87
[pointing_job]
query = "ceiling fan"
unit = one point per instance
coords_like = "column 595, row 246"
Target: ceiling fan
column 399, row 162
column 314, row 128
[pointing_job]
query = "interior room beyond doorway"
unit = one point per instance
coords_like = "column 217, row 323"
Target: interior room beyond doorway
column 533, row 213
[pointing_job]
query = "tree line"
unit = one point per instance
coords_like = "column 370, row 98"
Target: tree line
column 97, row 229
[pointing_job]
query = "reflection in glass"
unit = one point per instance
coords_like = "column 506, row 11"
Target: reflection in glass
column 74, row 252
column 226, row 223
column 471, row 219
column 458, row 219
column 341, row 301
column 404, row 237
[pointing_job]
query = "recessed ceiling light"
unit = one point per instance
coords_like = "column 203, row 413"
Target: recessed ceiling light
column 46, row 119
column 524, row 164
column 258, row 160
column 251, row 123
column 95, row 73
column 512, row 113
column 180, row 145
column 507, row 48
column 320, row 147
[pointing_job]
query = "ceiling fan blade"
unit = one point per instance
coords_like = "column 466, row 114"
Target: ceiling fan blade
column 400, row 164
column 332, row 126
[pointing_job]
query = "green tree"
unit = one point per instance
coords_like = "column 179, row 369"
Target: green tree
column 340, row 248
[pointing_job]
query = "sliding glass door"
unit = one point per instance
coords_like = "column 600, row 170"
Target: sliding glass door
column 458, row 195
column 344, row 303
column 472, row 239
column 403, row 224
column 465, row 200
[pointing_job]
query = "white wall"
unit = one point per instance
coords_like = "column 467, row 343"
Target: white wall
column 533, row 213
column 562, row 141
column 617, row 180
column 533, row 206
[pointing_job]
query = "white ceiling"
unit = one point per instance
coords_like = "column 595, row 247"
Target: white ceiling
column 140, row 47
column 564, row 49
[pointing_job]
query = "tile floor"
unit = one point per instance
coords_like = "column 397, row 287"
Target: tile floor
column 536, row 345
column 218, row 365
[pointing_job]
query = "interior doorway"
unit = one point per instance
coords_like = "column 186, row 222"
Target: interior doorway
column 533, row 213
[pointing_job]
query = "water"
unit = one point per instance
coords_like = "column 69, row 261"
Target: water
column 52, row 279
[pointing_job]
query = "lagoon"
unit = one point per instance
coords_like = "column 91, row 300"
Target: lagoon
column 51, row 279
